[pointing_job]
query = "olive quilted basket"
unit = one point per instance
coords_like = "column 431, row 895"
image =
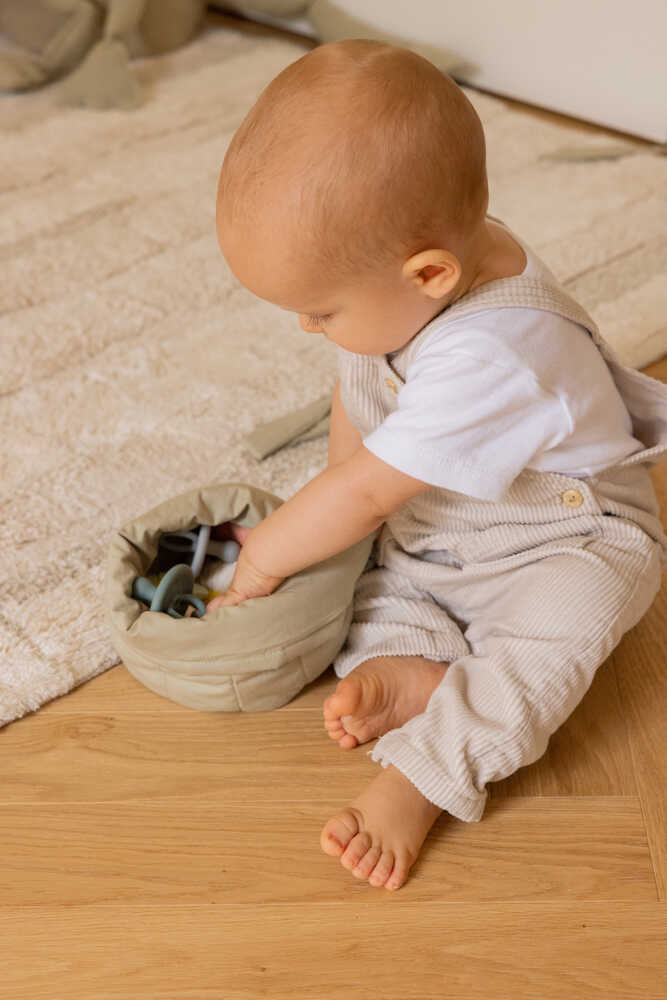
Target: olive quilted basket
column 250, row 657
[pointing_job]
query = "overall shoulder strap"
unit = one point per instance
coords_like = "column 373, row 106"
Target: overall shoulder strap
column 540, row 290
column 645, row 397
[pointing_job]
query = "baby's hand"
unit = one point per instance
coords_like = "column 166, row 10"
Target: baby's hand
column 247, row 582
column 230, row 531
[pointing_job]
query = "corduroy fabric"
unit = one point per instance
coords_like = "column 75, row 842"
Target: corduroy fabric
column 524, row 597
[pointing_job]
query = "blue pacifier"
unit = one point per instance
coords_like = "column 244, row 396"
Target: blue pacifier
column 201, row 544
column 172, row 594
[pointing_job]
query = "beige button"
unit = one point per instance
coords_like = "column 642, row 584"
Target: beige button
column 572, row 498
column 391, row 384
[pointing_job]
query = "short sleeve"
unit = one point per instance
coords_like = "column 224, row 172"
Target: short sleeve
column 469, row 424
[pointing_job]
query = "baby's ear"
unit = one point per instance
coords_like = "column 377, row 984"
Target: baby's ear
column 435, row 272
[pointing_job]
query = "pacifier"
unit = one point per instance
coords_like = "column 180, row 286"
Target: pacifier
column 172, row 594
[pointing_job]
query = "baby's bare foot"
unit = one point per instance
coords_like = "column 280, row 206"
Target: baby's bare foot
column 379, row 836
column 379, row 695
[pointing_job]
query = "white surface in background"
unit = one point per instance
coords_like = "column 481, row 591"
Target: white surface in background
column 301, row 25
column 601, row 60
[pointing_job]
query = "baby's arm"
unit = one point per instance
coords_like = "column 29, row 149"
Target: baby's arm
column 344, row 438
column 343, row 504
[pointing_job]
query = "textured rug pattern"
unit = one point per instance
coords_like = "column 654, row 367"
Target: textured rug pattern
column 133, row 362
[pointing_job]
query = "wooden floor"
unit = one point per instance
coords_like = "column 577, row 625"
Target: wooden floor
column 150, row 851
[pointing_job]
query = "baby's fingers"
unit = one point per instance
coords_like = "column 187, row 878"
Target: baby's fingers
column 230, row 530
column 223, row 600
column 240, row 533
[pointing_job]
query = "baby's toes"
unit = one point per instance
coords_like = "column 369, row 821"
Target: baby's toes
column 368, row 862
column 337, row 731
column 348, row 741
column 334, row 727
column 383, row 869
column 356, row 850
column 398, row 875
column 338, row 832
column 330, row 710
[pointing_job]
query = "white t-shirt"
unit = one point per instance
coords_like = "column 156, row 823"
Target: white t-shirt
column 499, row 391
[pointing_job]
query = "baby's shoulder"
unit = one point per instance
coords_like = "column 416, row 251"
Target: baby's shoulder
column 544, row 342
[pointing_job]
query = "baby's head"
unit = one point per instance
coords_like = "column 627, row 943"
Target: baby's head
column 354, row 193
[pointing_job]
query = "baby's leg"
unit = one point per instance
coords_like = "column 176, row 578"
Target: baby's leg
column 538, row 633
column 396, row 654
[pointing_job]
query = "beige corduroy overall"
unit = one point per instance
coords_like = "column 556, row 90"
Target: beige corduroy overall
column 523, row 597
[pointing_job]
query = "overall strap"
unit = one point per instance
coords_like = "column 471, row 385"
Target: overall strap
column 645, row 397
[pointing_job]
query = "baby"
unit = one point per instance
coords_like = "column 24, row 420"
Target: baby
column 480, row 427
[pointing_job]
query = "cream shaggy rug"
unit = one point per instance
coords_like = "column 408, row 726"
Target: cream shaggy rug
column 133, row 362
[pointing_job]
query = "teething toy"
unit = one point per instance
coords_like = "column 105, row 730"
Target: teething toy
column 171, row 594
column 201, row 544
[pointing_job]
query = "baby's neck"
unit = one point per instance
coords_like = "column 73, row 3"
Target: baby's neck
column 492, row 255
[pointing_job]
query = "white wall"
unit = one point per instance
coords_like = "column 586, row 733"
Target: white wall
column 601, row 60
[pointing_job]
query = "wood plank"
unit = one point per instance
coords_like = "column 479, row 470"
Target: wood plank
column 640, row 665
column 401, row 950
column 657, row 369
column 117, row 690
column 237, row 756
column 589, row 755
column 642, row 679
column 273, row 756
column 192, row 852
